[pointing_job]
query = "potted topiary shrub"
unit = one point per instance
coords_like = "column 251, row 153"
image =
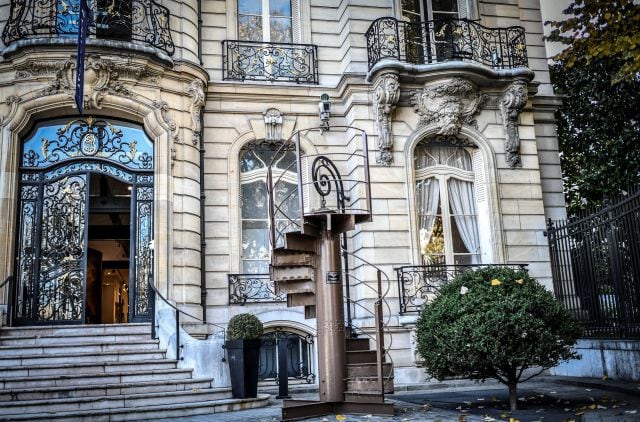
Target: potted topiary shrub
column 243, row 351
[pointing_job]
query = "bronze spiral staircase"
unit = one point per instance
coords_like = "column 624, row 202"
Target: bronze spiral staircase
column 333, row 195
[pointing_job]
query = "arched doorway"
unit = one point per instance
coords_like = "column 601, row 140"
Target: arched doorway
column 85, row 223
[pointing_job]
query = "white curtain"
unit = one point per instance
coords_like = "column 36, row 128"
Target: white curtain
column 463, row 206
column 428, row 194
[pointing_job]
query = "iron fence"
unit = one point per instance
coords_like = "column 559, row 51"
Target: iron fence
column 252, row 288
column 273, row 62
column 595, row 262
column 139, row 21
column 299, row 350
column 418, row 284
column 445, row 40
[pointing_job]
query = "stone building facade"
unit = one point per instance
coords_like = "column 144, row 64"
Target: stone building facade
column 455, row 97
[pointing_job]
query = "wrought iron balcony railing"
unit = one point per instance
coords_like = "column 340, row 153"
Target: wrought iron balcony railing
column 142, row 22
column 418, row 284
column 259, row 61
column 446, row 40
column 252, row 288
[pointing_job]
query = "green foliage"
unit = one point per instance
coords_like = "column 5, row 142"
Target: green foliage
column 601, row 30
column 494, row 323
column 244, row 327
column 598, row 131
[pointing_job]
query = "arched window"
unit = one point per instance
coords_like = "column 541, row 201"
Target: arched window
column 255, row 157
column 451, row 204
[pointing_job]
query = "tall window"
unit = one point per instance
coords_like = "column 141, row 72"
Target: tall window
column 254, row 161
column 265, row 20
column 448, row 223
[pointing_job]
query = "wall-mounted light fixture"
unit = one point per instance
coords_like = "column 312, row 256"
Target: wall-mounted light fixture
column 325, row 110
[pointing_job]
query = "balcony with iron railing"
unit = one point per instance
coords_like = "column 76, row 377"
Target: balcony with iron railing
column 271, row 62
column 419, row 284
column 446, row 40
column 140, row 25
column 253, row 288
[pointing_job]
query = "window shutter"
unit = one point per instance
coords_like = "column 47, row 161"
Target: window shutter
column 482, row 204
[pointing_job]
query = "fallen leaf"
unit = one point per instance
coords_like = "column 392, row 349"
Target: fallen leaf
column 592, row 406
column 587, row 389
column 602, row 407
column 480, row 399
column 579, row 413
column 604, row 378
column 341, row 418
column 631, row 412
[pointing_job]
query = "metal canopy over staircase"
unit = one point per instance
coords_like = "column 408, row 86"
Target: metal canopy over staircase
column 333, row 195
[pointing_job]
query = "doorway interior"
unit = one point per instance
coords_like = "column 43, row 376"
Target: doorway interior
column 109, row 251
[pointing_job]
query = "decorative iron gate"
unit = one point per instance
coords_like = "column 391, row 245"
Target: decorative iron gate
column 56, row 162
column 299, row 355
column 595, row 262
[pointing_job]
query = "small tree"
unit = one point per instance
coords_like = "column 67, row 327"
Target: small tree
column 495, row 322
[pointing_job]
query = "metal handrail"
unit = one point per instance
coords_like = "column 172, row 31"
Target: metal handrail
column 6, row 280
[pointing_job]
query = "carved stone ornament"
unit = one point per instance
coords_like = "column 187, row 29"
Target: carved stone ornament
column 196, row 89
column 511, row 104
column 102, row 77
column 386, row 93
column 449, row 104
column 63, row 76
column 163, row 108
column 272, row 125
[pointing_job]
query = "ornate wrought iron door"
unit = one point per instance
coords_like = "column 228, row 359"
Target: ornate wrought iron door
column 52, row 237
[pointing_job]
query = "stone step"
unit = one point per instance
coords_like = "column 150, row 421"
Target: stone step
column 77, row 391
column 114, row 402
column 368, row 370
column 145, row 413
column 354, row 344
column 369, row 385
column 76, row 330
column 67, row 349
column 111, row 356
column 47, row 340
column 93, row 379
column 85, row 368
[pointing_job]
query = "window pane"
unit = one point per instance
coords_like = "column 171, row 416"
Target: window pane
column 280, row 8
column 255, row 242
column 444, row 5
column 250, row 7
column 434, row 155
column 255, row 267
column 432, row 244
column 466, row 259
column 250, row 28
column 281, row 30
column 460, row 242
column 254, row 200
column 249, row 161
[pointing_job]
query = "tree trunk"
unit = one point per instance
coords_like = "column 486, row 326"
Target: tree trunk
column 513, row 395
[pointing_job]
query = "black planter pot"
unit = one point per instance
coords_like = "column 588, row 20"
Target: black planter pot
column 244, row 358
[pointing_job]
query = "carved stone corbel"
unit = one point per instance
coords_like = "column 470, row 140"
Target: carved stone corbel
column 196, row 89
column 63, row 76
column 386, row 93
column 272, row 125
column 449, row 104
column 163, row 108
column 511, row 104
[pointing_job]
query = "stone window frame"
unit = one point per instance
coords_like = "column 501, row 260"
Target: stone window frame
column 492, row 251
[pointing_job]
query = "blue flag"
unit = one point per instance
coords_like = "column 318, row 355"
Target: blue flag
column 84, row 19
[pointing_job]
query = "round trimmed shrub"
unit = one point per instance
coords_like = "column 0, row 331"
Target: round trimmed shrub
column 244, row 327
column 495, row 322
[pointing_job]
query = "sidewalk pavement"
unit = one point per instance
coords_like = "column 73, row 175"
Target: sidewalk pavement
column 543, row 399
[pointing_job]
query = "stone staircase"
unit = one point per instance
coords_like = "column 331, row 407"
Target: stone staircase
column 100, row 372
